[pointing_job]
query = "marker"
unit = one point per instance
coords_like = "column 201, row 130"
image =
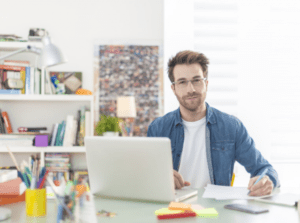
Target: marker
column 261, row 176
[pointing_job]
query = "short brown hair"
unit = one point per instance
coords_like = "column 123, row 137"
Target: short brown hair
column 187, row 57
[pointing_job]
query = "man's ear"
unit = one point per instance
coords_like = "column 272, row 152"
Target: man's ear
column 173, row 88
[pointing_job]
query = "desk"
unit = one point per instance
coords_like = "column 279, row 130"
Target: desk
column 140, row 212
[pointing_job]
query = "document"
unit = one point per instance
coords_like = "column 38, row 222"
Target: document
column 228, row 193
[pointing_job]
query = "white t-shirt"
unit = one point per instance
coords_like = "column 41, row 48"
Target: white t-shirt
column 193, row 163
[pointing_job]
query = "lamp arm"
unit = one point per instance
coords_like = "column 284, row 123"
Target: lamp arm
column 29, row 48
column 13, row 53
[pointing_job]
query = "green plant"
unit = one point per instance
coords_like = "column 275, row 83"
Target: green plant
column 108, row 123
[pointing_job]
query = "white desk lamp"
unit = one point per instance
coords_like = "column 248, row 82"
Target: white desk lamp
column 126, row 109
column 50, row 55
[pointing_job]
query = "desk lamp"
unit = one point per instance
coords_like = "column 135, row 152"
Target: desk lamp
column 126, row 109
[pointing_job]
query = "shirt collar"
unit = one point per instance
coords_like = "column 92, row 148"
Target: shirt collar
column 210, row 118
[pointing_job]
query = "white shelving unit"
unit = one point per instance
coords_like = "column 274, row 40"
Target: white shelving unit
column 40, row 110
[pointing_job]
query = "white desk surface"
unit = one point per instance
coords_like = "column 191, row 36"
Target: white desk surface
column 137, row 212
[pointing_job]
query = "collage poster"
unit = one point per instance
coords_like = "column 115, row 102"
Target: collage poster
column 129, row 70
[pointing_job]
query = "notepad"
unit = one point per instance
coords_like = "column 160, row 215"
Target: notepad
column 207, row 213
column 167, row 211
column 227, row 193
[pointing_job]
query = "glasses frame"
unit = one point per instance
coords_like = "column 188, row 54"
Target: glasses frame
column 202, row 78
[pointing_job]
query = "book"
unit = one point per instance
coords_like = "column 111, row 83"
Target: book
column 7, row 175
column 68, row 132
column 74, row 132
column 7, row 122
column 62, row 133
column 37, row 79
column 48, row 88
column 88, row 123
column 32, row 75
column 2, row 124
column 27, row 80
column 82, row 126
column 53, row 138
column 57, row 134
column 10, row 91
column 16, row 63
column 78, row 129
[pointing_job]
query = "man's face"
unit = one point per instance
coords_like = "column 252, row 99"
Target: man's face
column 190, row 97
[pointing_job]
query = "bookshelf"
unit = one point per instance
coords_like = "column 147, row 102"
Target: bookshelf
column 41, row 110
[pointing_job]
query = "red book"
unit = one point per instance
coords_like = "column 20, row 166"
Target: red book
column 8, row 67
column 179, row 215
column 7, row 122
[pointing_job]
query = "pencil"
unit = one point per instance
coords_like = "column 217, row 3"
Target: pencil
column 13, row 158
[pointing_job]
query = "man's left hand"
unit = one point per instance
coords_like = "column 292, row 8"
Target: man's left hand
column 263, row 187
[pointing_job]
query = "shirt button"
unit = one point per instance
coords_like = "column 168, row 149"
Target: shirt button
column 178, row 155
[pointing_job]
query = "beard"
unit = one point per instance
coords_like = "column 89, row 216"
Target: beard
column 191, row 105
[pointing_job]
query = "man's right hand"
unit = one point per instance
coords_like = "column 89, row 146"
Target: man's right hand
column 178, row 180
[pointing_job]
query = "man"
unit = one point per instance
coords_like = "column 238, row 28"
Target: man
column 205, row 141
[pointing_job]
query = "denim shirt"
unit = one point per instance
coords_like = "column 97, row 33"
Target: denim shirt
column 227, row 141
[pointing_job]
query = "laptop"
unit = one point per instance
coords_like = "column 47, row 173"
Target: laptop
column 134, row 168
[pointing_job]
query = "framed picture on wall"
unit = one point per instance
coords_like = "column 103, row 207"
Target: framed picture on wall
column 129, row 68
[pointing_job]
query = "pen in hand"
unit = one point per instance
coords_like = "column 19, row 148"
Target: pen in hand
column 260, row 177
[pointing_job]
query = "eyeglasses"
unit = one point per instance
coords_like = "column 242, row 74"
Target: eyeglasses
column 197, row 82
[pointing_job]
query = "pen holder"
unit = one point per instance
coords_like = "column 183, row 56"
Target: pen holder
column 36, row 202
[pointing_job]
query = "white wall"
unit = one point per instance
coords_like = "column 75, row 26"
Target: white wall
column 74, row 26
column 178, row 36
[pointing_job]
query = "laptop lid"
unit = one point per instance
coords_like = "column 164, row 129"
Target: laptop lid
column 131, row 167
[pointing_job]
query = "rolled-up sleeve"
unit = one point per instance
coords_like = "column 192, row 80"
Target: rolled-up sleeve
column 251, row 158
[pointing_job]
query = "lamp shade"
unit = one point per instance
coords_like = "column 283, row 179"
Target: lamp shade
column 126, row 107
column 50, row 55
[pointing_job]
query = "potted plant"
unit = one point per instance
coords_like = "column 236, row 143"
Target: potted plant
column 108, row 126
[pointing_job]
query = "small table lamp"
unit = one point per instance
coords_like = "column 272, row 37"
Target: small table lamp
column 126, row 109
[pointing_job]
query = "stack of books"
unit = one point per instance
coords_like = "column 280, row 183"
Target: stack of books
column 58, row 164
column 72, row 131
column 19, row 77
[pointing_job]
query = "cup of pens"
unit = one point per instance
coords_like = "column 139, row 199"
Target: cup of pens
column 36, row 202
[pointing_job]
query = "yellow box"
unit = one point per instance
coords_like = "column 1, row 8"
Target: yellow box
column 36, row 202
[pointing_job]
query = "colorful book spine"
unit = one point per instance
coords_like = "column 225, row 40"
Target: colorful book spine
column 2, row 124
column 23, row 77
column 27, row 80
column 57, row 134
column 82, row 126
column 9, row 91
column 7, row 122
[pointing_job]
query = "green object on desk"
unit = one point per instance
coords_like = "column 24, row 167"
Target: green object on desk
column 207, row 213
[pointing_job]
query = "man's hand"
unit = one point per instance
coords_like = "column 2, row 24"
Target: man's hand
column 178, row 180
column 263, row 187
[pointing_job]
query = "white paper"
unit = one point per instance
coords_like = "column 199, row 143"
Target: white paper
column 227, row 193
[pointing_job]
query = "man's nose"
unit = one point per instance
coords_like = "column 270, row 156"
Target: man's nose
column 190, row 87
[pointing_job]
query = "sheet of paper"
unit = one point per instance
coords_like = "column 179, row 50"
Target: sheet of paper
column 227, row 193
